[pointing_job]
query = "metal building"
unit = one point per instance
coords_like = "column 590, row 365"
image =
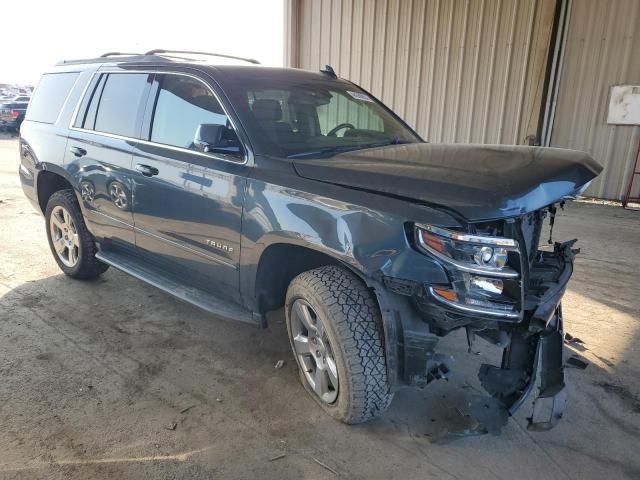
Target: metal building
column 486, row 71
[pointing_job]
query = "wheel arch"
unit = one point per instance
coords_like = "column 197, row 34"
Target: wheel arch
column 279, row 264
column 49, row 181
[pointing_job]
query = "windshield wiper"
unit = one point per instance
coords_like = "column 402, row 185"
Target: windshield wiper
column 346, row 148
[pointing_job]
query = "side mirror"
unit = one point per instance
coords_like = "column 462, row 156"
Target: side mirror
column 208, row 136
column 213, row 138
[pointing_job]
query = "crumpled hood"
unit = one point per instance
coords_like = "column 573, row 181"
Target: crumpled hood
column 479, row 182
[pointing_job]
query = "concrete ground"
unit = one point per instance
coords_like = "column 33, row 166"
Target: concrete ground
column 113, row 378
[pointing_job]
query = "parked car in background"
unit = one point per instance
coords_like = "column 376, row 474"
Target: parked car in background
column 243, row 189
column 21, row 98
column 12, row 115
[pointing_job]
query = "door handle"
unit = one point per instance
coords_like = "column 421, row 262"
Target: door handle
column 78, row 152
column 147, row 170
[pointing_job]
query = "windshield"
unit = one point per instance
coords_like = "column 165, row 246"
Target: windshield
column 307, row 116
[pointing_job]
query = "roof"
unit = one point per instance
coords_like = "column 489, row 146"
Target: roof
column 161, row 55
column 227, row 67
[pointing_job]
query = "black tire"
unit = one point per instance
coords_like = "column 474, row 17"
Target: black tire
column 87, row 266
column 353, row 324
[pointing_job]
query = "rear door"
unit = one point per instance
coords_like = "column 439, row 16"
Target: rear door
column 188, row 203
column 99, row 153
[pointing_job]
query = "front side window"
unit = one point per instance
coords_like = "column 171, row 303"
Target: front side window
column 188, row 115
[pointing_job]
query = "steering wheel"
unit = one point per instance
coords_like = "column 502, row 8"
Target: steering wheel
column 337, row 128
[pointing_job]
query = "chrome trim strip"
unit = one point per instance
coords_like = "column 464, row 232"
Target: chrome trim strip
column 66, row 100
column 464, row 308
column 155, row 144
column 486, row 271
column 464, row 237
column 25, row 172
column 98, row 212
column 184, row 247
column 80, row 99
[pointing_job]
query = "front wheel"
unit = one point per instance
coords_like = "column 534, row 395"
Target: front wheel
column 335, row 330
column 72, row 245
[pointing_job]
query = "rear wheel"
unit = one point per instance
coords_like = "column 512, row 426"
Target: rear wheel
column 335, row 329
column 72, row 245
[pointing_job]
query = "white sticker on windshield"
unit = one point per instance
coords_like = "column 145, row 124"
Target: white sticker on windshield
column 360, row 96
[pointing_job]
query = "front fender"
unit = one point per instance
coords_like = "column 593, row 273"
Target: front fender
column 366, row 233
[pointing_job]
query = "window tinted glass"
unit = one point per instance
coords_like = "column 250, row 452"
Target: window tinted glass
column 119, row 103
column 87, row 116
column 50, row 95
column 341, row 109
column 183, row 104
column 304, row 116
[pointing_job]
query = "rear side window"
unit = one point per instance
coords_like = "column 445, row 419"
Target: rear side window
column 50, row 95
column 114, row 105
column 119, row 103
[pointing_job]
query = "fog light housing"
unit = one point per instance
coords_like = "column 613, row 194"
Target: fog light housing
column 485, row 285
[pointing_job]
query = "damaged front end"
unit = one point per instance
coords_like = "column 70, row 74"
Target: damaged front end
column 502, row 288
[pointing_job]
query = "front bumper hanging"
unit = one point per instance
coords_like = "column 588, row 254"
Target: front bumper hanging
column 528, row 356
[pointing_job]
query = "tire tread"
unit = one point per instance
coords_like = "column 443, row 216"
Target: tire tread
column 90, row 267
column 356, row 317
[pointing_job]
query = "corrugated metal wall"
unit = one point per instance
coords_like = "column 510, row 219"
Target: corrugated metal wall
column 456, row 70
column 603, row 49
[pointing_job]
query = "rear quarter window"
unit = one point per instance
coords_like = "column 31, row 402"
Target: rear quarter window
column 49, row 96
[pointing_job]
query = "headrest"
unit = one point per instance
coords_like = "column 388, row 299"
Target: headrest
column 267, row 109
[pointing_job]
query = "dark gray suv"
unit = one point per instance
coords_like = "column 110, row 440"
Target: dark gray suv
column 241, row 189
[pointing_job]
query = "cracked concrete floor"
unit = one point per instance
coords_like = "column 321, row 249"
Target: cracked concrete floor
column 114, row 379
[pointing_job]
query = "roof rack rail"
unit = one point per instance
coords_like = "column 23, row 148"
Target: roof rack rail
column 114, row 54
column 160, row 51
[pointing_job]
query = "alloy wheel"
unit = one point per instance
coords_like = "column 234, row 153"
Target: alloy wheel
column 64, row 236
column 313, row 351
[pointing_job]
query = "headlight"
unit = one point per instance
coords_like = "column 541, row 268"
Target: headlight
column 480, row 268
column 469, row 253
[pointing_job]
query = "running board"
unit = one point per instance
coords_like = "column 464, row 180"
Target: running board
column 191, row 295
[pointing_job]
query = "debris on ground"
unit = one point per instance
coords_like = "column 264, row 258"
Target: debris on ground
column 575, row 362
column 171, row 426
column 279, row 364
column 278, row 457
column 568, row 338
column 324, row 465
column 185, row 410
column 219, row 400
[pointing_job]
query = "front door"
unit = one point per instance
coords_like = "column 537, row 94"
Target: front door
column 188, row 198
